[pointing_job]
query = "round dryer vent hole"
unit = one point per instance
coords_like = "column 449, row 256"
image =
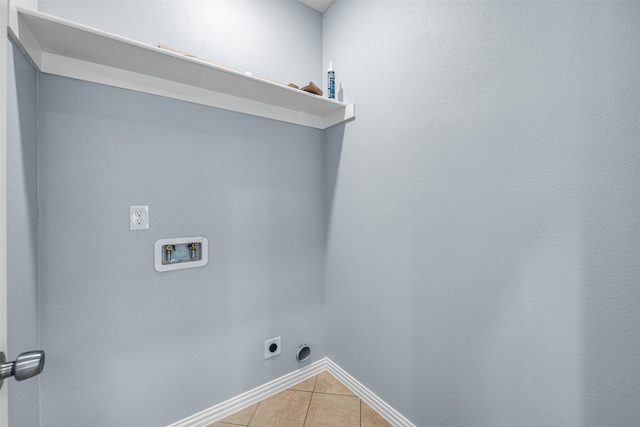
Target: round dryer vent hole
column 303, row 353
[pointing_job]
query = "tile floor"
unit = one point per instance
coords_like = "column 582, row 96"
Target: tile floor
column 320, row 401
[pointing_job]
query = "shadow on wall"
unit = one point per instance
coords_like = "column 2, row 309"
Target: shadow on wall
column 333, row 138
column 611, row 314
column 22, row 233
column 25, row 77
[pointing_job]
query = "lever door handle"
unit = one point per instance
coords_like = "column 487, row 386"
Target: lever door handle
column 25, row 366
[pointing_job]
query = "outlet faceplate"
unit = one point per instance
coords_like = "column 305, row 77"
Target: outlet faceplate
column 138, row 218
column 270, row 350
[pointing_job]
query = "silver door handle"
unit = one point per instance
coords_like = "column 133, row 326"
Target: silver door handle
column 26, row 365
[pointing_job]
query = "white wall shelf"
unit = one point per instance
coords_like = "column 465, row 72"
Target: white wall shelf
column 64, row 48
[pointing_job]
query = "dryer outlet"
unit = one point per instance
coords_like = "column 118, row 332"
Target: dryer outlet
column 272, row 347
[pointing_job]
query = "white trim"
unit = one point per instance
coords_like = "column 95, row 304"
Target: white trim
column 13, row 14
column 65, row 48
column 342, row 116
column 235, row 404
column 120, row 78
column 367, row 396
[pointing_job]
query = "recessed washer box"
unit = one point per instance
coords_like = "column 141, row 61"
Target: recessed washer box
column 181, row 252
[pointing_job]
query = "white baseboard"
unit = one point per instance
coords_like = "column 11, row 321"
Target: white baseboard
column 367, row 396
column 228, row 407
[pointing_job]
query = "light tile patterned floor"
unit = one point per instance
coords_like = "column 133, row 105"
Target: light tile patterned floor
column 320, row 401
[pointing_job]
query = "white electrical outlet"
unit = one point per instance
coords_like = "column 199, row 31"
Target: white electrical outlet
column 138, row 217
column 272, row 347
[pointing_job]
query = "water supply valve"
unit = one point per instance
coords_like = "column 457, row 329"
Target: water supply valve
column 181, row 252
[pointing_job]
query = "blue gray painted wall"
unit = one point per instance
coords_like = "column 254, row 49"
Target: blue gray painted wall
column 482, row 211
column 136, row 347
column 482, row 236
column 22, row 231
column 280, row 39
column 127, row 345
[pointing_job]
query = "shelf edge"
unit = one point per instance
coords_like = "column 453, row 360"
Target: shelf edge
column 81, row 69
column 109, row 76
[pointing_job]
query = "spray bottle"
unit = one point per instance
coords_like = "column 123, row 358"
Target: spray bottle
column 331, row 82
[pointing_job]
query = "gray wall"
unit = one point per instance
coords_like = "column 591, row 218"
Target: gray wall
column 280, row 39
column 482, row 227
column 482, row 237
column 22, row 231
column 127, row 345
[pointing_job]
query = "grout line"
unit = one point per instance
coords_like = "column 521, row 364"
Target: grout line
column 336, row 394
column 308, row 407
column 254, row 413
column 312, row 393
